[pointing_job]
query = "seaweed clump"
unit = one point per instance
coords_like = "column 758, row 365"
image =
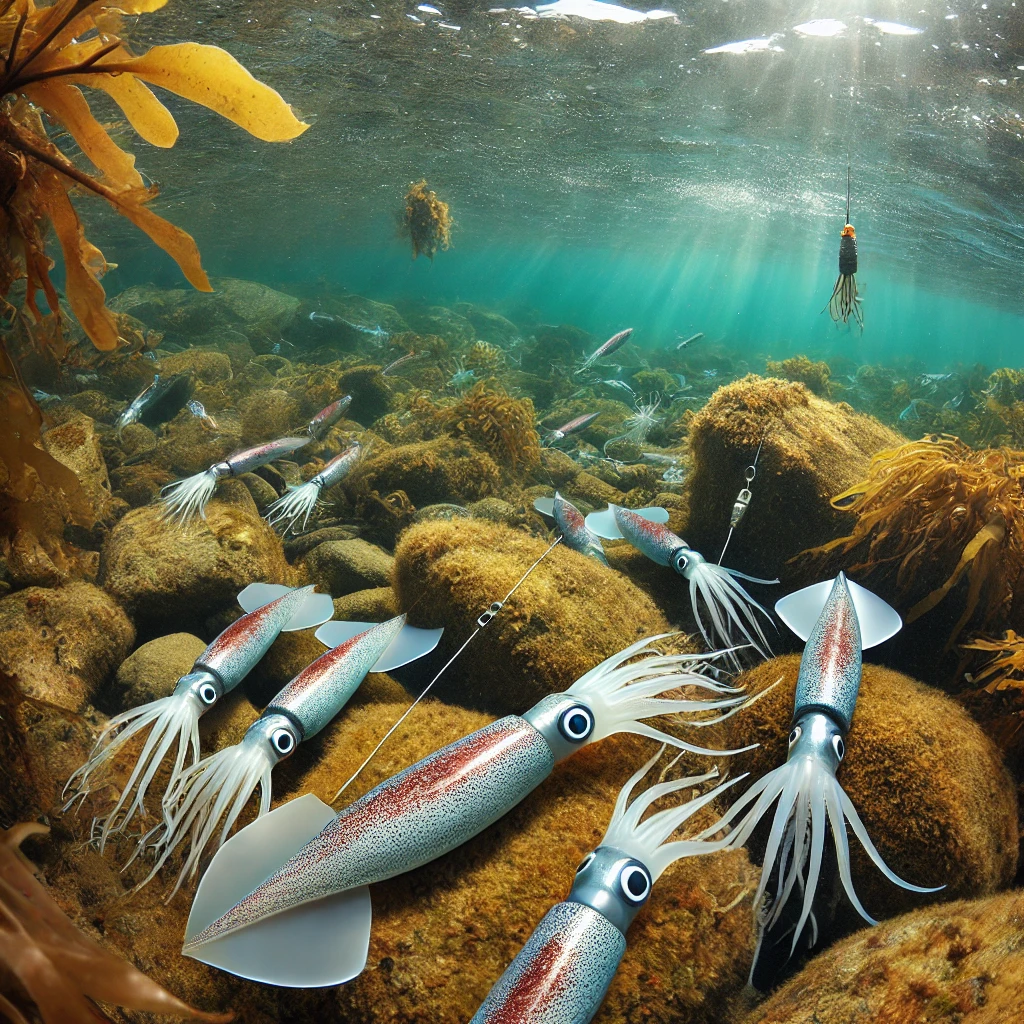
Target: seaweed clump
column 498, row 423
column 50, row 51
column 428, row 221
column 802, row 370
column 934, row 512
column 60, row 969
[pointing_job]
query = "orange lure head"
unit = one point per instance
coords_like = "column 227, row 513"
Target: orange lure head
column 848, row 232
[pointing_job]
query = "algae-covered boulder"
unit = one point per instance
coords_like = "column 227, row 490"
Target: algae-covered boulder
column 961, row 962
column 929, row 785
column 373, row 605
column 568, row 615
column 74, row 444
column 167, row 576
column 268, row 415
column 208, row 365
column 812, row 450
column 61, row 645
column 431, row 472
column 151, row 671
column 443, row 934
column 342, row 566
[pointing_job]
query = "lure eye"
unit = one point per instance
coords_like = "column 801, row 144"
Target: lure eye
column 208, row 693
column 576, row 723
column 796, row 734
column 282, row 741
column 635, row 882
column 681, row 562
column 586, row 862
column 838, row 746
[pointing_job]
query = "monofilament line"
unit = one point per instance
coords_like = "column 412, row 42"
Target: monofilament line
column 481, row 622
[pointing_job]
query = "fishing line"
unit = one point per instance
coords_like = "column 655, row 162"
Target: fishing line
column 742, row 502
column 481, row 622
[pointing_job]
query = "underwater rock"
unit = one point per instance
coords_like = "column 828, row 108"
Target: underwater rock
column 140, row 484
column 812, row 450
column 566, row 617
column 496, row 511
column 208, row 365
column 136, row 439
column 74, row 444
column 164, row 575
column 440, row 320
column 263, row 494
column 151, row 671
column 373, row 605
column 556, row 468
column 61, row 645
column 491, row 327
column 192, row 447
column 800, row 368
column 958, row 962
column 431, row 472
column 369, row 390
column 443, row 934
column 94, row 404
column 445, row 512
column 593, row 490
column 928, row 784
column 343, row 566
column 267, row 415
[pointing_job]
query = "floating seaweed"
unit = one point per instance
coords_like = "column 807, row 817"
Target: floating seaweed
column 61, row 969
column 428, row 221
column 50, row 52
column 937, row 510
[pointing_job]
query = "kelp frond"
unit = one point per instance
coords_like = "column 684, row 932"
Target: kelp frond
column 45, row 62
column 428, row 221
column 1006, row 670
column 500, row 424
column 938, row 511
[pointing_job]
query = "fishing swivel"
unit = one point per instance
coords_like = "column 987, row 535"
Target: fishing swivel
column 743, row 499
column 490, row 613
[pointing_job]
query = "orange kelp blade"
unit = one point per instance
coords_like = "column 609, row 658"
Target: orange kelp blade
column 313, row 945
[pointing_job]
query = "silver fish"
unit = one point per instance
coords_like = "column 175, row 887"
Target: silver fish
column 689, row 341
column 315, row 316
column 910, row 413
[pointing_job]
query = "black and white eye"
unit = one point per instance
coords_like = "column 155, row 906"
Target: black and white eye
column 208, row 693
column 635, row 882
column 283, row 741
column 681, row 561
column 838, row 746
column 576, row 723
column 586, row 862
column 795, row 734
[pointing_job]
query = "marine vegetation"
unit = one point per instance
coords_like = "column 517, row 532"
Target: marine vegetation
column 1003, row 677
column 428, row 221
column 800, row 368
column 60, row 968
column 50, row 52
column 500, row 424
column 931, row 513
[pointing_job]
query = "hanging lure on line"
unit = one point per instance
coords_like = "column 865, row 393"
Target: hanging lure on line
column 838, row 620
column 216, row 790
column 728, row 604
column 743, row 499
column 185, row 499
column 274, row 926
column 566, row 966
column 299, row 502
column 173, row 721
column 845, row 301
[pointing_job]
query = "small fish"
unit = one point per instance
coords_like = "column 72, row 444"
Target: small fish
column 400, row 361
column 910, row 413
column 689, row 341
column 572, row 427
column 199, row 411
column 376, row 331
column 621, row 384
column 315, row 317
column 616, row 341
column 710, row 374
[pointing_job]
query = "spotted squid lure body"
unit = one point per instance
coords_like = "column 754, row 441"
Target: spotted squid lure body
column 429, row 809
column 728, row 604
column 173, row 721
column 572, row 526
column 185, row 499
column 328, row 416
column 838, row 620
column 210, row 795
column 564, row 970
column 299, row 502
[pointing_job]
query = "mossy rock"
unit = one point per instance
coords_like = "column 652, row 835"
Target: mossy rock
column 569, row 614
column 151, row 671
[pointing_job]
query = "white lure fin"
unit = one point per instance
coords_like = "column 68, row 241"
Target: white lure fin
column 545, row 506
column 314, row 945
column 317, row 608
column 878, row 621
column 604, row 525
column 410, row 644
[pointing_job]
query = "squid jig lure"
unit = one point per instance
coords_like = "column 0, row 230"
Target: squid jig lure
column 299, row 502
column 566, row 966
column 173, row 721
column 728, row 604
column 572, row 526
column 185, row 499
column 613, row 344
column 299, row 915
column 219, row 786
column 838, row 620
column 845, row 302
column 574, row 426
column 327, row 417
